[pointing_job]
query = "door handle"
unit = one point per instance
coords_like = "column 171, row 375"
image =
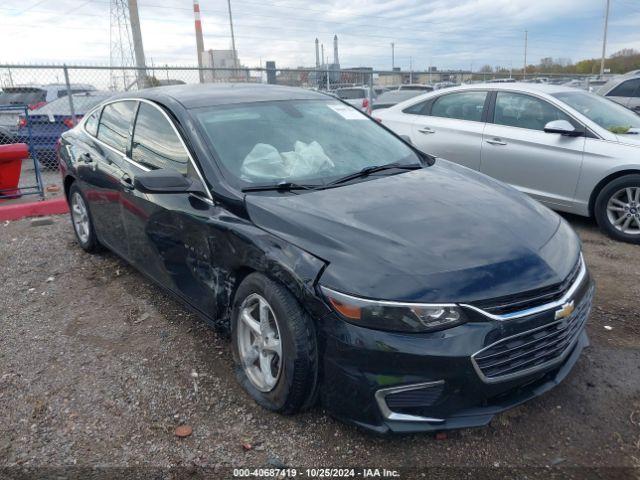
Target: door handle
column 126, row 182
column 496, row 141
column 426, row 130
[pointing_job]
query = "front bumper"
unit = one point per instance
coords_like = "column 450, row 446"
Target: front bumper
column 362, row 368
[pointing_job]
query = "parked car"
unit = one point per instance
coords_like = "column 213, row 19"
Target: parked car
column 48, row 122
column 32, row 96
column 356, row 96
column 624, row 89
column 389, row 99
column 380, row 90
column 571, row 150
column 402, row 292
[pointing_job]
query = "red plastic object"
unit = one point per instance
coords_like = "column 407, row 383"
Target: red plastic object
column 11, row 157
column 33, row 209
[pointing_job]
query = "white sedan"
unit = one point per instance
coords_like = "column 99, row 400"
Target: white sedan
column 571, row 150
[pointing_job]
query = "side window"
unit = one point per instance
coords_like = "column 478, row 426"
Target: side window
column 417, row 109
column 525, row 111
column 155, row 143
column 114, row 124
column 91, row 123
column 462, row 105
column 625, row 89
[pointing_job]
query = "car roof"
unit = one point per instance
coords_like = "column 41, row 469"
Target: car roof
column 207, row 95
column 516, row 86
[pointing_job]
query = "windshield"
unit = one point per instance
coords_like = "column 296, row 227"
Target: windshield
column 350, row 93
column 607, row 114
column 423, row 88
column 302, row 141
column 81, row 104
column 22, row 96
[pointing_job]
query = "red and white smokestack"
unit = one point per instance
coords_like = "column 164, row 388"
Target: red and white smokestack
column 199, row 40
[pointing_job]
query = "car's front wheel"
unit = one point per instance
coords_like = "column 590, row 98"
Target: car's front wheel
column 81, row 219
column 617, row 209
column 274, row 346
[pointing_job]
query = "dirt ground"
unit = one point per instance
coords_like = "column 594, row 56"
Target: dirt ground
column 98, row 367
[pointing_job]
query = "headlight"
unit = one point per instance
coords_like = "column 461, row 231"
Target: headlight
column 394, row 316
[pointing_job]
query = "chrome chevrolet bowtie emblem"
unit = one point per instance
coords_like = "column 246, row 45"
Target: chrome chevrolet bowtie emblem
column 566, row 310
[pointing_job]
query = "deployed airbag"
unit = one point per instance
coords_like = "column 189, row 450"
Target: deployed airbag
column 264, row 161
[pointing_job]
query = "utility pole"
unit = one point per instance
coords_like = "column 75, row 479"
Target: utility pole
column 524, row 71
column 604, row 40
column 136, row 34
column 233, row 38
column 410, row 69
column 393, row 56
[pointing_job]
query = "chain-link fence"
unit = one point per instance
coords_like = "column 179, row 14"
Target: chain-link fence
column 56, row 97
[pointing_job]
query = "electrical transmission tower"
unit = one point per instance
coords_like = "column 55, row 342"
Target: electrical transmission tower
column 126, row 52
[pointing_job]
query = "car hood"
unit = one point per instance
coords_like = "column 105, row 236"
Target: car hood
column 633, row 140
column 440, row 234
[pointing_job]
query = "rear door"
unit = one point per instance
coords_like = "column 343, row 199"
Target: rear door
column 517, row 151
column 451, row 126
column 103, row 173
column 167, row 231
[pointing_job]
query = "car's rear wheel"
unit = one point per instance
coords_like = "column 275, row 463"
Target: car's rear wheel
column 617, row 209
column 274, row 346
column 81, row 219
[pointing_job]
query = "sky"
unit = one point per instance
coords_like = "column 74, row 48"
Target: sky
column 448, row 34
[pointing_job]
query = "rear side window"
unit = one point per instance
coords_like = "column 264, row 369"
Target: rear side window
column 461, row 105
column 155, row 143
column 525, row 111
column 91, row 123
column 630, row 88
column 114, row 124
column 417, row 109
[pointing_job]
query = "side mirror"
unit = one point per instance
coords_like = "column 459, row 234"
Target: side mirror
column 165, row 180
column 406, row 138
column 563, row 128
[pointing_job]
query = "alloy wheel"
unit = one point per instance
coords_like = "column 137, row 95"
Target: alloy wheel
column 259, row 343
column 80, row 217
column 623, row 210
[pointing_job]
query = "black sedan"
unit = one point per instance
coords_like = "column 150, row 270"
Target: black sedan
column 403, row 292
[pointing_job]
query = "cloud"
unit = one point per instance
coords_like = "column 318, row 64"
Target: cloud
column 436, row 32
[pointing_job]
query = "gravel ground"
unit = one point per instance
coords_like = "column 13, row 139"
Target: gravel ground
column 99, row 367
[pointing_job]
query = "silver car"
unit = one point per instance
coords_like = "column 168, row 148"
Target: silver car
column 572, row 150
column 624, row 89
column 356, row 96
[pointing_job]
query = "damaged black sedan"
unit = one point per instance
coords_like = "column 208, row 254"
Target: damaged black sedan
column 402, row 292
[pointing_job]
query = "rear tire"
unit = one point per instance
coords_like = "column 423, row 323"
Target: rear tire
column 82, row 221
column 289, row 383
column 617, row 209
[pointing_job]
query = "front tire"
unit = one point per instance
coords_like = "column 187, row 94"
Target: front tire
column 617, row 209
column 82, row 221
column 274, row 346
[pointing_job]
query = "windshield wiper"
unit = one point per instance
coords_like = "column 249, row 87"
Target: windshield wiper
column 375, row 168
column 281, row 187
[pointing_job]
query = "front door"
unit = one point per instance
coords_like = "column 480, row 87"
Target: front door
column 517, row 151
column 169, row 234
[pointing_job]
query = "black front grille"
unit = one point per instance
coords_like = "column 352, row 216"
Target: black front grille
column 534, row 348
column 420, row 397
column 530, row 299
